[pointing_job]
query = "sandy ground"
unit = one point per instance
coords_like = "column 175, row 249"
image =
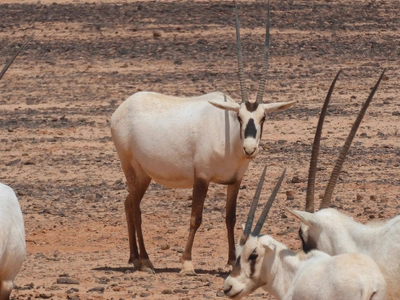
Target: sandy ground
column 87, row 57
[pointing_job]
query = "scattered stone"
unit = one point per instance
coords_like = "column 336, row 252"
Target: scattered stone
column 144, row 295
column 13, row 162
column 156, row 34
column 72, row 290
column 64, row 280
column 178, row 61
column 164, row 246
column 29, row 162
column 296, row 179
column 167, row 292
column 359, row 197
column 289, row 195
column 371, row 64
column 25, row 287
column 99, row 289
column 181, row 291
column 220, row 294
column 46, row 296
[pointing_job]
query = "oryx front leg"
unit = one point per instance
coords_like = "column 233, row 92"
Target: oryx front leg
column 200, row 188
column 137, row 182
column 230, row 219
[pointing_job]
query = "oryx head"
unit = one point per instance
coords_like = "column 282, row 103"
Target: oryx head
column 251, row 115
column 13, row 58
column 252, row 251
column 315, row 228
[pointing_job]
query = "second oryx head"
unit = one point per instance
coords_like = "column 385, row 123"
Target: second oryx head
column 251, row 114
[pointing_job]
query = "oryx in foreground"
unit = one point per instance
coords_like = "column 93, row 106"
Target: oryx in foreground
column 335, row 233
column 187, row 142
column 12, row 230
column 264, row 262
column 12, row 240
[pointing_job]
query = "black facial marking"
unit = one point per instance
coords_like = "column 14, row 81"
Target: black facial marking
column 308, row 245
column 253, row 256
column 252, row 259
column 236, row 269
column 251, row 130
column 251, row 106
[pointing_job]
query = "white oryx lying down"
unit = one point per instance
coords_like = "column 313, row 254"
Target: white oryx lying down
column 264, row 262
column 335, row 233
column 12, row 230
column 188, row 143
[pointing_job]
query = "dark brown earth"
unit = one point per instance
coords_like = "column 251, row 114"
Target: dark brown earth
column 86, row 58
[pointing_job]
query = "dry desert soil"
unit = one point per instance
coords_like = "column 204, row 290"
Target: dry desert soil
column 87, row 57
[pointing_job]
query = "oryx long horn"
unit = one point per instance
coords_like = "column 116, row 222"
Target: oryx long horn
column 339, row 163
column 13, row 58
column 250, row 217
column 242, row 81
column 261, row 87
column 267, row 206
column 315, row 150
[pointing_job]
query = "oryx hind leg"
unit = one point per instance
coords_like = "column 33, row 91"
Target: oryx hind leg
column 138, row 182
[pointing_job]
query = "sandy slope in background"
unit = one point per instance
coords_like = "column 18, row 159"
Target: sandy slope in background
column 87, row 57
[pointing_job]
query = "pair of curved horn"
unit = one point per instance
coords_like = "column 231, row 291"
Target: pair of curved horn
column 339, row 163
column 242, row 81
column 13, row 58
column 264, row 214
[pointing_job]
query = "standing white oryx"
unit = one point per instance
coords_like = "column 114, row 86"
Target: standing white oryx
column 335, row 233
column 186, row 142
column 12, row 230
column 264, row 262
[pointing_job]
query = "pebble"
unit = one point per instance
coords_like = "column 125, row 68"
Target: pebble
column 64, row 280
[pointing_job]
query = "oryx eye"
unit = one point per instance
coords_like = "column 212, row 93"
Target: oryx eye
column 253, row 256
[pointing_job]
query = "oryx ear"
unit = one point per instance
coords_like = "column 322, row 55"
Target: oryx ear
column 278, row 106
column 268, row 244
column 232, row 106
column 303, row 216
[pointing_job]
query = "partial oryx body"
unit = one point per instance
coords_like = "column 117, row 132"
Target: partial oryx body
column 187, row 142
column 264, row 262
column 333, row 232
column 12, row 229
column 12, row 239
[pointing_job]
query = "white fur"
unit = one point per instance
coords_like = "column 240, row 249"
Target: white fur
column 175, row 139
column 182, row 143
column 288, row 275
column 335, row 233
column 12, row 239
